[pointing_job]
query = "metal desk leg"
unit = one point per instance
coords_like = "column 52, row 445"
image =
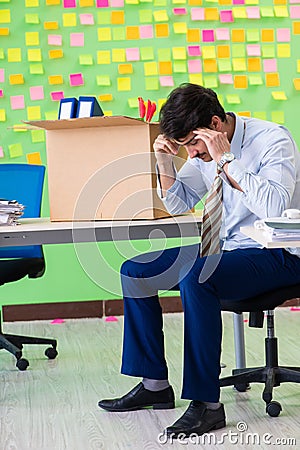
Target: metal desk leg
column 239, row 341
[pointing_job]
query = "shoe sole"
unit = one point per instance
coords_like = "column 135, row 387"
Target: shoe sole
column 170, row 405
column 216, row 426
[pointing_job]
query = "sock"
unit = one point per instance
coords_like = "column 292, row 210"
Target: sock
column 209, row 405
column 155, row 385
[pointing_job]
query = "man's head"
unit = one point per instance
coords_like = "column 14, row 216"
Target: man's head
column 187, row 108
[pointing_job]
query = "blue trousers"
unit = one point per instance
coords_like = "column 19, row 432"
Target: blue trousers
column 235, row 275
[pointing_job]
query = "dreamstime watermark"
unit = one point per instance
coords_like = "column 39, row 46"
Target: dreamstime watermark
column 239, row 437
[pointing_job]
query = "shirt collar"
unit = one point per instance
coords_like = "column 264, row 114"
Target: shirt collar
column 238, row 134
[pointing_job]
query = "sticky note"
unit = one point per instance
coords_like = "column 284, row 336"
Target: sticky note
column 76, row 79
column 210, row 81
column 55, row 54
column 33, row 112
column 132, row 32
column 211, row 14
column 253, row 50
column 239, row 13
column 32, row 38
column 132, row 54
column 226, row 16
column 223, row 51
column 51, row 115
column 125, row 69
column 69, row 3
column 151, row 84
column 103, row 57
column 161, row 30
column 69, row 19
column 277, row 116
column 194, row 65
column 104, row 18
column 283, row 50
column 252, row 35
column 34, row 54
column 179, row 53
column 55, row 39
column 208, row 36
column 36, row 92
column 296, row 82
column 193, row 35
column 266, row 11
column 119, row 34
column 51, row 25
column 104, row 34
column 160, row 16
column 194, row 50
column 238, row 35
column 145, row 15
column 118, row 55
column 15, row 150
column 254, row 65
column 272, row 79
column 208, row 52
column 296, row 27
column 240, row 81
column 86, row 19
column 14, row 55
column 103, row 80
column 268, row 51
column 146, row 31
column 283, row 35
column 255, row 80
column 105, row 98
column 222, row 34
column 179, row 67
column 179, row 11
column 239, row 64
column 260, row 115
column 233, row 99
column 2, row 115
column 4, row 31
column 5, row 16
column 147, row 53
column 267, row 35
column 166, row 80
column 282, row 11
column 1, row 93
column 196, row 78
column 32, row 3
column 86, row 60
column 55, row 79
column 180, row 27
column 253, row 12
column 165, row 67
column 37, row 136
column 102, row 3
column 270, row 65
column 164, row 54
column 34, row 158
column 210, row 65
column 111, row 319
column 226, row 78
column 150, row 68
column 36, row 69
column 56, row 96
column 76, row 39
column 197, row 14
column 123, row 84
column 279, row 95
column 224, row 65
column 1, row 152
column 16, row 79
column 117, row 17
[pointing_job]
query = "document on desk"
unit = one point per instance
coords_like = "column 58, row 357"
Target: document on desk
column 280, row 228
column 10, row 212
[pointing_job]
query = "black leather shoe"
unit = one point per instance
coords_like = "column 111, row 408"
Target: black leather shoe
column 139, row 398
column 198, row 420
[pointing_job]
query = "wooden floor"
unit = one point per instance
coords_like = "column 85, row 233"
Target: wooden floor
column 53, row 405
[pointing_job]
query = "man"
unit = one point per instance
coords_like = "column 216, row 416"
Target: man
column 258, row 164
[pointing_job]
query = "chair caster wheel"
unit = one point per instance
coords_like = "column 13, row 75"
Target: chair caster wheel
column 243, row 387
column 22, row 364
column 273, row 409
column 51, row 353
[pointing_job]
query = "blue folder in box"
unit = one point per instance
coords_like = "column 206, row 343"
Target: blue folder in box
column 88, row 107
column 68, row 108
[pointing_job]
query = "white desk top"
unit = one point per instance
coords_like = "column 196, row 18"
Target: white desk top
column 263, row 238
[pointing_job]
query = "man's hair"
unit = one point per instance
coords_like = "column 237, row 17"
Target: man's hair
column 188, row 107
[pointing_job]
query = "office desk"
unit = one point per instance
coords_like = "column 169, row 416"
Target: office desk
column 262, row 237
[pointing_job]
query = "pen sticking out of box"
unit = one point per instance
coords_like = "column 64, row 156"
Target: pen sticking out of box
column 146, row 112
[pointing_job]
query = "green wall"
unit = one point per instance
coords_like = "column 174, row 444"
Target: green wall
column 103, row 59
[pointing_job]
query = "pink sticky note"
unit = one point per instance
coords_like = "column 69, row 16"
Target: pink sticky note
column 253, row 12
column 1, row 152
column 76, row 39
column 166, row 80
column 197, row 14
column 111, row 319
column 194, row 65
column 270, row 65
column 116, row 3
column 102, row 3
column 194, row 50
column 17, row 102
column 1, row 93
column 57, row 95
column 1, row 75
column 179, row 11
column 208, row 36
column 295, row 12
column 69, row 3
column 226, row 16
column 146, row 31
column 222, row 34
column 57, row 321
column 54, row 39
column 86, row 19
column 76, row 79
column 238, row 2
column 37, row 93
column 283, row 34
column 253, row 50
column 132, row 54
column 226, row 78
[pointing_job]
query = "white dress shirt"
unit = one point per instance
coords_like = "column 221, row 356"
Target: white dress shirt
column 267, row 168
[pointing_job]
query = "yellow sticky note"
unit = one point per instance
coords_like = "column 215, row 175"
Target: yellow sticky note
column 233, row 99
column 51, row 25
column 69, row 20
column 34, row 158
column 277, row 116
column 33, row 112
column 180, row 28
column 5, row 16
column 239, row 64
column 16, row 79
column 104, row 34
column 52, row 2
column 267, row 35
column 54, row 54
column 132, row 32
column 240, row 81
column 223, row 51
column 179, row 53
column 298, row 65
column 279, row 95
column 152, row 84
column 239, row 12
column 283, row 50
column 281, row 11
column 118, row 55
column 161, row 30
column 32, row 38
column 150, row 68
column 105, row 97
column 211, row 13
column 244, row 113
column 210, row 65
column 55, row 79
column 117, row 17
column 238, row 35
column 272, row 79
column 208, row 52
column 193, row 35
column 196, row 78
column 2, row 115
column 83, row 3
column 31, row 3
column 165, row 68
column 125, row 69
column 34, row 54
column 161, row 16
column 14, row 55
column 296, row 82
column 254, row 65
column 103, row 57
column 124, row 84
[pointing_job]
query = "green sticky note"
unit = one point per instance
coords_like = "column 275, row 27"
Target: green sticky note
column 147, row 53
column 160, row 2
column 146, row 15
column 51, row 115
column 224, row 65
column 252, row 35
column 260, row 115
column 277, row 116
column 103, row 80
column 233, row 99
column 133, row 102
column 163, row 54
column 179, row 67
column 37, row 136
column 15, row 150
column 36, row 69
column 103, row 17
column 32, row 18
column 210, row 81
column 268, row 51
column 119, row 34
column 238, row 50
column 86, row 60
column 266, row 11
column 152, row 84
column 255, row 80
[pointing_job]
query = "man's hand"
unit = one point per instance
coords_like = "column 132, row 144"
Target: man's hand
column 163, row 146
column 216, row 142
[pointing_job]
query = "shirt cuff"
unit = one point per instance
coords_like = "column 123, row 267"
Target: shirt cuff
column 236, row 170
column 159, row 188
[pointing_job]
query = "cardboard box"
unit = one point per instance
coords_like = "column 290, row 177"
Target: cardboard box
column 101, row 168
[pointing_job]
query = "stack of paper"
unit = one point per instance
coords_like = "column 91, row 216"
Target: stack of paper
column 10, row 212
column 280, row 228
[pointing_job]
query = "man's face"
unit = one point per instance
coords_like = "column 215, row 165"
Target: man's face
column 195, row 147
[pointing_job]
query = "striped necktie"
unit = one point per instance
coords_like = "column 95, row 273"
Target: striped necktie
column 211, row 220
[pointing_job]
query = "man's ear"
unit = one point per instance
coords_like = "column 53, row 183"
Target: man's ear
column 216, row 123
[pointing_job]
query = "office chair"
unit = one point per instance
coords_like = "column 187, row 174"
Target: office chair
column 24, row 183
column 272, row 375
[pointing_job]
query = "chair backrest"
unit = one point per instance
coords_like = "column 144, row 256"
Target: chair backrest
column 24, row 183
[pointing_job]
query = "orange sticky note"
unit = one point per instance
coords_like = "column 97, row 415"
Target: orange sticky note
column 161, row 30
column 272, row 79
column 165, row 67
column 193, row 35
column 211, row 13
column 223, row 51
column 52, row 2
column 267, row 35
column 50, row 25
column 296, row 27
column 238, row 35
column 34, row 158
column 132, row 32
column 124, row 69
column 4, row 31
column 53, row 54
column 240, row 81
column 210, row 65
column 117, row 17
column 105, row 97
column 55, row 79
column 296, row 82
column 16, row 79
column 254, row 65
